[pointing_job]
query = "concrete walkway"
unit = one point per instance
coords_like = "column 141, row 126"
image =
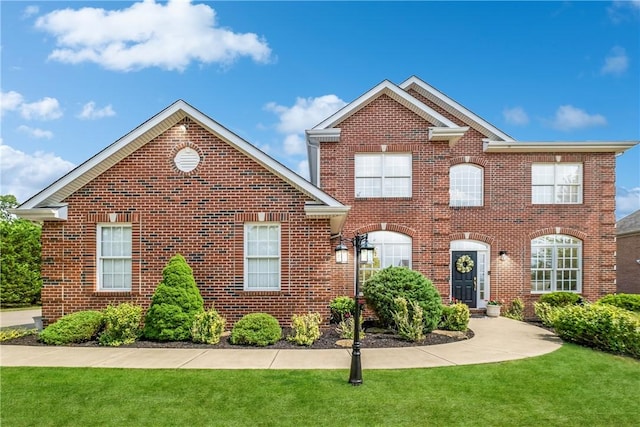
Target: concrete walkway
column 19, row 318
column 495, row 340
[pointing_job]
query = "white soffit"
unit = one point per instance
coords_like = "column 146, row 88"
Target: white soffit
column 616, row 147
column 454, row 108
column 397, row 94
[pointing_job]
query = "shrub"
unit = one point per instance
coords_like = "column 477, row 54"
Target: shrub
column 73, row 328
column 207, row 327
column 175, row 303
column 629, row 302
column 346, row 328
column 341, row 306
column 561, row 299
column 601, row 326
column 516, row 310
column 259, row 329
column 409, row 325
column 121, row 324
column 455, row 317
column 393, row 282
column 10, row 334
column 306, row 328
column 546, row 312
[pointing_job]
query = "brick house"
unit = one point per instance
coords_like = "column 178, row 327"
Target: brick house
column 435, row 187
column 628, row 253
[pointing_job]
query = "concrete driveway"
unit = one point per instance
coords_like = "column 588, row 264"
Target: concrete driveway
column 22, row 318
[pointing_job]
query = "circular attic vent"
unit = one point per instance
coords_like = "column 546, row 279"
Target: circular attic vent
column 187, row 159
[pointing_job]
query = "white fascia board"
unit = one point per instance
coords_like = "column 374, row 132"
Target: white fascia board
column 396, row 93
column 616, row 147
column 41, row 214
column 452, row 106
column 336, row 214
column 313, row 138
column 452, row 135
column 323, row 135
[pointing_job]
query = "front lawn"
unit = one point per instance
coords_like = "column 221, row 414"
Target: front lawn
column 574, row 386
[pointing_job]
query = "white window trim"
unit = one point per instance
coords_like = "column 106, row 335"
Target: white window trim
column 554, row 266
column 99, row 257
column 481, row 169
column 246, row 258
column 580, row 184
column 382, row 177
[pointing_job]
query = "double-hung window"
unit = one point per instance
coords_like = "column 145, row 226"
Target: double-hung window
column 383, row 175
column 556, row 264
column 262, row 257
column 114, row 257
column 465, row 185
column 556, row 183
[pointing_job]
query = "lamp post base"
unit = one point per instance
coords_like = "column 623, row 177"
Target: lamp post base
column 355, row 376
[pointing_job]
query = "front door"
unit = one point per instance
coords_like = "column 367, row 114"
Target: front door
column 464, row 277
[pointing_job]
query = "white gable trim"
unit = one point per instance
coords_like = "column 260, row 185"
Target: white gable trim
column 396, row 93
column 54, row 194
column 454, row 108
column 616, row 147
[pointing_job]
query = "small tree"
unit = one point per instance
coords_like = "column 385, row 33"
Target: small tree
column 174, row 304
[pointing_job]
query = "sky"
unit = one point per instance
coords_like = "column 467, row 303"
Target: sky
column 78, row 75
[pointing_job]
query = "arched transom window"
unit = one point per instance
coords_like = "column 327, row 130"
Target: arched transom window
column 391, row 249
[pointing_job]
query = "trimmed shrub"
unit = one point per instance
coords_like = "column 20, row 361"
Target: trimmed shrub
column 10, row 334
column 76, row 327
column 561, row 299
column 341, row 306
column 409, row 323
column 175, row 303
column 121, row 325
column 390, row 283
column 546, row 312
column 306, row 328
column 516, row 310
column 260, row 329
column 629, row 302
column 208, row 327
column 455, row 317
column 601, row 326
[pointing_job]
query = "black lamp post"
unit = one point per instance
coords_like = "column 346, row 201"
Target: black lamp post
column 364, row 255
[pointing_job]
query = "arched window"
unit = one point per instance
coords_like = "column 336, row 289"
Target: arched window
column 465, row 185
column 391, row 249
column 556, row 264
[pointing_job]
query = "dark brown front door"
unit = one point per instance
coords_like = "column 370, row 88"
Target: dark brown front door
column 464, row 277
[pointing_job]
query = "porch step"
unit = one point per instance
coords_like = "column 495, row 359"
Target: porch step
column 478, row 312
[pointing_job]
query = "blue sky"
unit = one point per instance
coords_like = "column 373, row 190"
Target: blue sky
column 76, row 76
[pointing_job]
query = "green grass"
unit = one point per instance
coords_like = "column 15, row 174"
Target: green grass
column 573, row 386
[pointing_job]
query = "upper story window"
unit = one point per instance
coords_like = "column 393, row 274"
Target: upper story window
column 556, row 183
column 466, row 185
column 383, row 175
column 262, row 257
column 391, row 249
column 114, row 257
column 556, row 264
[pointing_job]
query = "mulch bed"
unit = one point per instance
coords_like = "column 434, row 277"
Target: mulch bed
column 328, row 340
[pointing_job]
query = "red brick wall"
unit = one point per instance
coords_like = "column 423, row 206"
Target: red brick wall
column 200, row 215
column 628, row 247
column 507, row 221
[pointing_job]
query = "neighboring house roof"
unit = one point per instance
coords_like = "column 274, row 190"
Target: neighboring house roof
column 49, row 204
column 629, row 224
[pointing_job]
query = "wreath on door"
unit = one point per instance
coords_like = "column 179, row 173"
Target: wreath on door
column 464, row 264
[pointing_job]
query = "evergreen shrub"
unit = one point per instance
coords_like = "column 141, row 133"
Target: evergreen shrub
column 455, row 317
column 306, row 328
column 561, row 299
column 208, row 327
column 121, row 325
column 76, row 327
column 629, row 302
column 259, row 329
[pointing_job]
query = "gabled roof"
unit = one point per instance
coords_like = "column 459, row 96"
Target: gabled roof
column 629, row 224
column 49, row 203
column 454, row 108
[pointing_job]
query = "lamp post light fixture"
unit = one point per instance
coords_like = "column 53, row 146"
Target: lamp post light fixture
column 364, row 255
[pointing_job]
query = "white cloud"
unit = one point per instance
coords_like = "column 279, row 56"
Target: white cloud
column 303, row 169
column 569, row 118
column 45, row 109
column 627, row 201
column 29, row 11
column 23, row 174
column 515, row 116
column 35, row 132
column 624, row 10
column 148, row 34
column 304, row 114
column 616, row 62
column 10, row 101
column 89, row 111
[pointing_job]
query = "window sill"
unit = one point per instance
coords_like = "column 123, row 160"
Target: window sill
column 109, row 293
column 261, row 293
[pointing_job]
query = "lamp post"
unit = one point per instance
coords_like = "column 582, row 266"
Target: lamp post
column 364, row 255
